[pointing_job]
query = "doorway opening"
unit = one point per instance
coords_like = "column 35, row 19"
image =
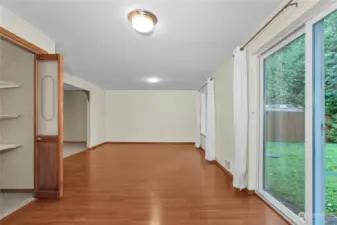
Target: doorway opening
column 76, row 114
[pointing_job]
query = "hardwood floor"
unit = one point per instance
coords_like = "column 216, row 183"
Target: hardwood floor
column 145, row 184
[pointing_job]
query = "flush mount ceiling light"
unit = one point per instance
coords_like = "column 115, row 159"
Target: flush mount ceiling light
column 142, row 21
column 153, row 80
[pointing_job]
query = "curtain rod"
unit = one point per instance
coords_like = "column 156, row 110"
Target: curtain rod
column 290, row 3
column 212, row 78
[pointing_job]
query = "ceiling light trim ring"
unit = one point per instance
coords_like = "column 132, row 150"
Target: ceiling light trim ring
column 140, row 12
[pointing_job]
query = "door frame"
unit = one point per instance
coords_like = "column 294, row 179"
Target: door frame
column 55, row 190
column 36, row 50
column 21, row 42
column 88, row 94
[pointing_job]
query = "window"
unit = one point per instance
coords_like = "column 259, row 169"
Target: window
column 203, row 113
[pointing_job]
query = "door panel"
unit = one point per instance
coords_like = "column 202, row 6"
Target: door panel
column 324, row 120
column 282, row 124
column 47, row 150
column 49, row 126
column 48, row 98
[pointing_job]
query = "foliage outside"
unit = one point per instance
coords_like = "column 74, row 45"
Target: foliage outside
column 285, row 85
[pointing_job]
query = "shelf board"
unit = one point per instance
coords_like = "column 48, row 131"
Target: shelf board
column 5, row 84
column 6, row 147
column 8, row 117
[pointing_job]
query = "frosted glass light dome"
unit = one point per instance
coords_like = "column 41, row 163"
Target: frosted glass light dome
column 142, row 21
column 153, row 80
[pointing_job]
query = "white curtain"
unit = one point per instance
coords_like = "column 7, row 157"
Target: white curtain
column 210, row 121
column 198, row 115
column 240, row 105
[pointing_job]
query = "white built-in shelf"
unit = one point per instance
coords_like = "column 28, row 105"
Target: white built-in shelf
column 6, row 147
column 8, row 117
column 5, row 84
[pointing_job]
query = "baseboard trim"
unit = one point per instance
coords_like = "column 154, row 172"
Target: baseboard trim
column 87, row 149
column 168, row 143
column 272, row 208
column 96, row 146
column 74, row 142
column 229, row 174
column 17, row 190
column 250, row 192
column 2, row 220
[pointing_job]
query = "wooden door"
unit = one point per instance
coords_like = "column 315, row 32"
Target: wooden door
column 48, row 126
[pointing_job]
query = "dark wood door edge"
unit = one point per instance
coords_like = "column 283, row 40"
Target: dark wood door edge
column 47, row 194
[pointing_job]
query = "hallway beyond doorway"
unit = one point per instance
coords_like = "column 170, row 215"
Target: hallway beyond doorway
column 70, row 149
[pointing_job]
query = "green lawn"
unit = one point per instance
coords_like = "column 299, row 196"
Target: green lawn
column 284, row 176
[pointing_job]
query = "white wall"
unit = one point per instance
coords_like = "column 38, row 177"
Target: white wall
column 97, row 108
column 75, row 116
column 23, row 29
column 223, row 94
column 223, row 91
column 151, row 116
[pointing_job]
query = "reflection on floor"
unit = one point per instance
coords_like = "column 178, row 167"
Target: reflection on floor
column 10, row 202
column 141, row 184
column 73, row 148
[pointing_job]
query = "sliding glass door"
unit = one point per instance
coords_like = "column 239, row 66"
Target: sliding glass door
column 298, row 123
column 283, row 145
column 324, row 148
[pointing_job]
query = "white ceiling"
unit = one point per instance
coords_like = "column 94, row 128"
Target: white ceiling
column 191, row 38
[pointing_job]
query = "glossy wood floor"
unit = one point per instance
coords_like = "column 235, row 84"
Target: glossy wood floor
column 145, row 184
